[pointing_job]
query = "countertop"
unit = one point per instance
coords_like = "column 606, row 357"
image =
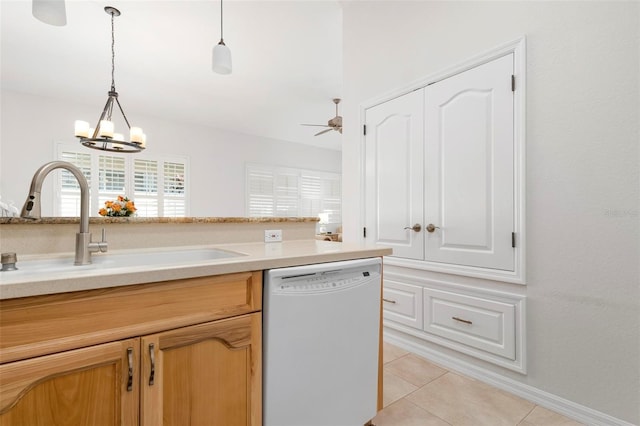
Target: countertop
column 134, row 219
column 255, row 256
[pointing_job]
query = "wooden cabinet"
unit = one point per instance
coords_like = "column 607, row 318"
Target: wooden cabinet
column 205, row 374
column 86, row 386
column 171, row 353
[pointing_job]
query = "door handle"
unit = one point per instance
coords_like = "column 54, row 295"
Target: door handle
column 130, row 372
column 416, row 228
column 431, row 227
column 152, row 356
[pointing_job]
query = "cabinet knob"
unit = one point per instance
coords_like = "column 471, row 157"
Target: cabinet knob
column 431, row 227
column 416, row 228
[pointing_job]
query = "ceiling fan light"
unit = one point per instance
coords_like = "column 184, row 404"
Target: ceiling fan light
column 221, row 58
column 52, row 12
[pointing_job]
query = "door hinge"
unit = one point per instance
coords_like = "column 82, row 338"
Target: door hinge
column 513, row 83
column 364, row 232
column 364, row 129
column 513, row 239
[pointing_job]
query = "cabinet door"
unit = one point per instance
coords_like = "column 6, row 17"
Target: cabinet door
column 207, row 374
column 469, row 181
column 394, row 170
column 86, row 386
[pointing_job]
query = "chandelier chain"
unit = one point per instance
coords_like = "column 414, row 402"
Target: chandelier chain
column 113, row 55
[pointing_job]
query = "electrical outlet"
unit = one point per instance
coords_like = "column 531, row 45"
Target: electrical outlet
column 273, row 235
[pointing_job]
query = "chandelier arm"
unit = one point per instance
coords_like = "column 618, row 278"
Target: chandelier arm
column 102, row 116
column 123, row 114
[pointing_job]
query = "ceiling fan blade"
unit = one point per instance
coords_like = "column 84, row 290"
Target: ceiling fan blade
column 315, row 125
column 324, row 131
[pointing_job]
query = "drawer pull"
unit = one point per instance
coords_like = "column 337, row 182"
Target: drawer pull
column 389, row 300
column 152, row 355
column 130, row 361
column 462, row 320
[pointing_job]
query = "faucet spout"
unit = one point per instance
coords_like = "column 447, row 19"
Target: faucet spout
column 32, row 208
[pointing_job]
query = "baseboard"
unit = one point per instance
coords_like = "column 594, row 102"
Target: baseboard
column 544, row 399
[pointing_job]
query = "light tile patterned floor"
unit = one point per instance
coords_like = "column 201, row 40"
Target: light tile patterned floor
column 420, row 393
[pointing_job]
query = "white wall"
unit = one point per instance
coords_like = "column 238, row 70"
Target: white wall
column 31, row 124
column 582, row 169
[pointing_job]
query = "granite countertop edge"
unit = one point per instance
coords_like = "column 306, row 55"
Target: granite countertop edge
column 142, row 220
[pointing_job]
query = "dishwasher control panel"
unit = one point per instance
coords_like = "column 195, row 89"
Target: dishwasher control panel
column 326, row 281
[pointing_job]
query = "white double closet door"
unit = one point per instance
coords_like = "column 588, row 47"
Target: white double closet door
column 443, row 155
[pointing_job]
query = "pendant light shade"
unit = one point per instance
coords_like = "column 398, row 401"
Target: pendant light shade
column 221, row 57
column 52, row 12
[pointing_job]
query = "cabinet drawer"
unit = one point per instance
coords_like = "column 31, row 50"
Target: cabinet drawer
column 481, row 323
column 402, row 303
column 39, row 325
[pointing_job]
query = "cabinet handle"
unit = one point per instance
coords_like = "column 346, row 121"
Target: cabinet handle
column 462, row 320
column 415, row 228
column 389, row 300
column 431, row 227
column 130, row 360
column 152, row 355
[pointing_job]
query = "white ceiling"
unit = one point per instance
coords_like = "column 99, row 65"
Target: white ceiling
column 287, row 61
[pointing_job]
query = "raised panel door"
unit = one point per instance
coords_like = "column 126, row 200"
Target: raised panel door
column 207, row 374
column 394, row 170
column 82, row 387
column 469, row 167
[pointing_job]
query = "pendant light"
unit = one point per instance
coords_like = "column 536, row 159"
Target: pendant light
column 221, row 53
column 102, row 137
column 52, row 12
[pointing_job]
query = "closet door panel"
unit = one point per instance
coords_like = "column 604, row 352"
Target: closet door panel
column 394, row 175
column 469, row 167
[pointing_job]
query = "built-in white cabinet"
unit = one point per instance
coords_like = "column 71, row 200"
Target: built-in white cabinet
column 443, row 171
column 402, row 303
column 486, row 324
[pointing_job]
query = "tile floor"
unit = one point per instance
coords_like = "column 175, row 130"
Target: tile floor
column 420, row 393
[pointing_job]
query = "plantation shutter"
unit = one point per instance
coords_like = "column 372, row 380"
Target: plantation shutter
column 286, row 195
column 273, row 191
column 145, row 187
column 69, row 205
column 260, row 192
column 156, row 186
column 111, row 178
column 174, row 190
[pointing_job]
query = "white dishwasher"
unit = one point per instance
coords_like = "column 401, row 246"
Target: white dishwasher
column 320, row 343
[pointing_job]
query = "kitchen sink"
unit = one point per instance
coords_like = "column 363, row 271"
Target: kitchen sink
column 175, row 256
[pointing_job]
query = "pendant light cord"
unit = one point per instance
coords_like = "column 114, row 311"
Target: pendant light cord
column 221, row 27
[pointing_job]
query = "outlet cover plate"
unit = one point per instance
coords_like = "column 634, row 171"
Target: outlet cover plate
column 273, row 236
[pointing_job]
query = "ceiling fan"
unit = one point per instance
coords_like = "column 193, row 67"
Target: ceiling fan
column 334, row 124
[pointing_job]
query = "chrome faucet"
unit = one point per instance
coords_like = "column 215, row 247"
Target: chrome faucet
column 31, row 209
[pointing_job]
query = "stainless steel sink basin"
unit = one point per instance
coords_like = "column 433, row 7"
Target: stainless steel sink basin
column 175, row 256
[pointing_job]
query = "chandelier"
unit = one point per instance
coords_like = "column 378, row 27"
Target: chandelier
column 103, row 137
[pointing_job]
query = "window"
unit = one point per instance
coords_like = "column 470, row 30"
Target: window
column 156, row 185
column 288, row 192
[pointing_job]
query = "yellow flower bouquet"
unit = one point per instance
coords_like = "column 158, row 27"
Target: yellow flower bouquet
column 121, row 207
